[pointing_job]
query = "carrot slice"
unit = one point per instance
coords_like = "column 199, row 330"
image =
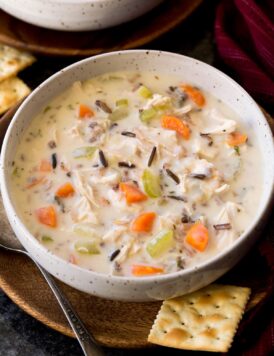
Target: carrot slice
column 45, row 166
column 143, row 222
column 34, row 181
column 236, row 139
column 198, row 236
column 47, row 216
column 85, row 112
column 143, row 270
column 176, row 124
column 132, row 193
column 194, row 94
column 66, row 190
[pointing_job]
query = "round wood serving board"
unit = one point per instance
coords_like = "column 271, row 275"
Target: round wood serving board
column 134, row 34
column 113, row 323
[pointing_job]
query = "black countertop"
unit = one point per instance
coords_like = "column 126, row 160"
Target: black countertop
column 21, row 334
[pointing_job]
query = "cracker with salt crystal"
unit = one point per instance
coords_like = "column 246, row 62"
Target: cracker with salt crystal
column 11, row 91
column 13, row 61
column 204, row 320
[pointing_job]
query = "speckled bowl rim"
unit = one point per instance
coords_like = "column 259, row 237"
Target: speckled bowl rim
column 139, row 280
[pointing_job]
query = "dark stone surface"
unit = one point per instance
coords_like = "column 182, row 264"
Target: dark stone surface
column 20, row 334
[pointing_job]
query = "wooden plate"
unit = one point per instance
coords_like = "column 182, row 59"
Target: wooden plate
column 136, row 33
column 113, row 323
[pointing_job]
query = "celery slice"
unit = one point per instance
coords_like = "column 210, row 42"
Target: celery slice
column 147, row 115
column 85, row 230
column 122, row 102
column 118, row 114
column 160, row 243
column 144, row 92
column 46, row 238
column 151, row 184
column 87, row 247
column 84, row 152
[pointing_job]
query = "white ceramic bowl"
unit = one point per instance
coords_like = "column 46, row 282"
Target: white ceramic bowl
column 77, row 15
column 189, row 70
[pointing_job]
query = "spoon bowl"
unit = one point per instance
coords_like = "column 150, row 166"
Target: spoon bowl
column 9, row 242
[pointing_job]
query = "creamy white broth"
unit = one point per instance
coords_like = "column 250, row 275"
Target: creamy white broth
column 212, row 184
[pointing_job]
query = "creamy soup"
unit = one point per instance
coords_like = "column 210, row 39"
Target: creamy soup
column 136, row 174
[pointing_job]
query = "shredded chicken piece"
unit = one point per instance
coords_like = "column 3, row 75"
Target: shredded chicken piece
column 121, row 222
column 114, row 234
column 222, row 189
column 217, row 124
column 82, row 211
column 227, row 216
column 183, row 110
column 166, row 142
column 112, row 176
column 124, row 150
column 128, row 250
column 124, row 253
column 168, row 221
column 134, row 249
column 203, row 167
column 157, row 100
column 84, row 188
column 183, row 182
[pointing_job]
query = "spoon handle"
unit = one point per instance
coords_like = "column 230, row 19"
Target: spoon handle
column 87, row 342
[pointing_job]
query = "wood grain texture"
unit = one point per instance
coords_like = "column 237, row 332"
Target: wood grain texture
column 113, row 323
column 134, row 34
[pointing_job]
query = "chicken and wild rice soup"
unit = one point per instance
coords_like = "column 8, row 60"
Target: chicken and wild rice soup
column 136, row 174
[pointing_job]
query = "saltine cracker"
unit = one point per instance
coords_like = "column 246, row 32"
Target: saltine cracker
column 11, row 91
column 204, row 320
column 13, row 61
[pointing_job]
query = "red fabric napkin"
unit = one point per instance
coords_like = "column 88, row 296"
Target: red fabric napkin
column 244, row 32
column 256, row 333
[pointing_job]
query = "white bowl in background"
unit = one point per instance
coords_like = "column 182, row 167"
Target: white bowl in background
column 77, row 15
column 154, row 287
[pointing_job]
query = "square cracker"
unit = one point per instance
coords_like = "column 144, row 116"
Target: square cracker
column 11, row 91
column 12, row 61
column 204, row 320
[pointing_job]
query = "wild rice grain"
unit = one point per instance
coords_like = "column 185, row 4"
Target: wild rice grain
column 103, row 106
column 128, row 134
column 151, row 157
column 54, row 160
column 197, row 176
column 126, row 165
column 222, row 226
column 175, row 197
column 114, row 255
column 103, row 159
column 173, row 176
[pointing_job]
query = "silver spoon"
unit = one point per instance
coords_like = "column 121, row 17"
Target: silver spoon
column 9, row 242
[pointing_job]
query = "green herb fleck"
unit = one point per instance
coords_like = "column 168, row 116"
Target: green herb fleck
column 237, row 150
column 16, row 172
column 70, row 107
column 47, row 108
